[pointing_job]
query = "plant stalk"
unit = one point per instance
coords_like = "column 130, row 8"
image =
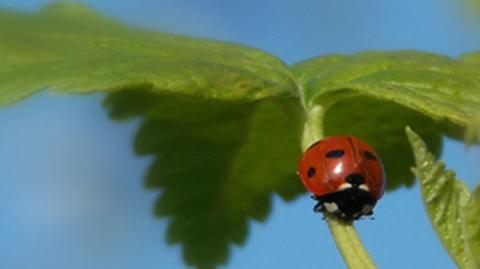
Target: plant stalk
column 344, row 234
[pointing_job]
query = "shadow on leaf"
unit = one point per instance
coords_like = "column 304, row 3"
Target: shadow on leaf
column 382, row 123
column 217, row 164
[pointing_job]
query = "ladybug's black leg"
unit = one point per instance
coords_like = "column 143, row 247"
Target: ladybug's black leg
column 369, row 213
column 357, row 216
column 319, row 207
column 338, row 214
column 367, row 209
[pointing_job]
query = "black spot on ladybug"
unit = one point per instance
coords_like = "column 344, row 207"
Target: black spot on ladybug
column 311, row 171
column 335, row 153
column 370, row 155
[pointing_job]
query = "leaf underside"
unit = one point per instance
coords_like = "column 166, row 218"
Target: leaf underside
column 453, row 210
column 217, row 164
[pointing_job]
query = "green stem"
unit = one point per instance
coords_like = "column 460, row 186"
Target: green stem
column 344, row 234
column 346, row 238
column 313, row 130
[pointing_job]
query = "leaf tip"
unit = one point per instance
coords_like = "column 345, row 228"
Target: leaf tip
column 415, row 140
column 408, row 130
column 411, row 135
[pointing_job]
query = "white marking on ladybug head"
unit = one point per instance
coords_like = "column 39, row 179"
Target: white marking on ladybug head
column 364, row 187
column 344, row 186
column 331, row 207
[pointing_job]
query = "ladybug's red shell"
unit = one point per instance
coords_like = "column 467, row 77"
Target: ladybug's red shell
column 342, row 162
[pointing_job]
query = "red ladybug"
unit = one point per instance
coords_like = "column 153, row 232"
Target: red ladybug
column 345, row 176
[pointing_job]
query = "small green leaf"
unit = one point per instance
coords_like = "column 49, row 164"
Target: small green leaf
column 70, row 48
column 453, row 210
column 434, row 85
column 216, row 164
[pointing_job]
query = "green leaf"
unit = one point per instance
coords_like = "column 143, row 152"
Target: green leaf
column 70, row 48
column 453, row 210
column 216, row 164
column 437, row 86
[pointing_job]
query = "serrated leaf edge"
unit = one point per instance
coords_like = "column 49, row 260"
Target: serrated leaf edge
column 424, row 160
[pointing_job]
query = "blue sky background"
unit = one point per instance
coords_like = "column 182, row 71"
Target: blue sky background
column 71, row 194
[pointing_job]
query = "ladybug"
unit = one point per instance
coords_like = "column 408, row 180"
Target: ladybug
column 344, row 174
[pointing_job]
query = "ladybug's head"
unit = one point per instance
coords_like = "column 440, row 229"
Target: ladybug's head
column 352, row 199
column 350, row 203
column 354, row 180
